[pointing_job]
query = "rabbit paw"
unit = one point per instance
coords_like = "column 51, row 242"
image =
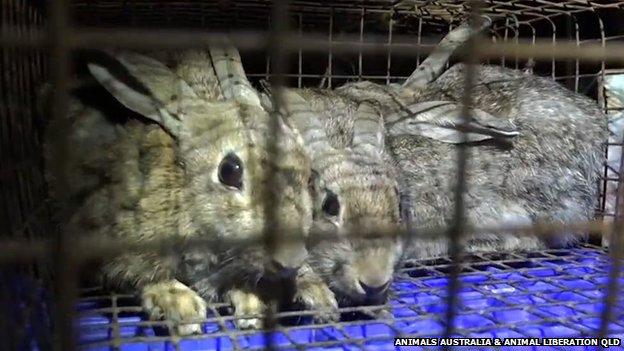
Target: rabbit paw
column 176, row 302
column 315, row 295
column 246, row 304
column 319, row 298
column 382, row 314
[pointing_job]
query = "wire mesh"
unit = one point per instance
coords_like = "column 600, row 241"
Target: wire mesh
column 555, row 293
column 379, row 32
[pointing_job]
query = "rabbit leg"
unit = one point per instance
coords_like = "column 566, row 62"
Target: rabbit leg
column 246, row 304
column 174, row 301
column 162, row 297
column 314, row 294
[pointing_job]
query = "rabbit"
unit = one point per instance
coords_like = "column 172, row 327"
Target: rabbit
column 519, row 101
column 372, row 188
column 415, row 115
column 356, row 190
column 507, row 166
column 360, row 190
column 230, row 82
column 551, row 172
column 358, row 187
column 164, row 159
column 548, row 174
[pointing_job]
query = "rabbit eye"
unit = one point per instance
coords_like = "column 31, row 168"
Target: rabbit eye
column 231, row 171
column 331, row 206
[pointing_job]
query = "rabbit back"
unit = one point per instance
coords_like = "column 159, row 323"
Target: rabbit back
column 123, row 181
column 549, row 173
column 560, row 152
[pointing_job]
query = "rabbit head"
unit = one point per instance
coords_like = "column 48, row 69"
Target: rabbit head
column 356, row 205
column 222, row 149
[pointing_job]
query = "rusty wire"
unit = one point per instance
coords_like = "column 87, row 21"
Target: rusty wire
column 456, row 231
column 279, row 27
column 66, row 285
column 87, row 248
column 540, row 49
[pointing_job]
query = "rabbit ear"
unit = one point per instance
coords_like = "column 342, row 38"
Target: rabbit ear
column 307, row 122
column 196, row 68
column 145, row 86
column 431, row 68
column 368, row 129
column 441, row 120
column 232, row 79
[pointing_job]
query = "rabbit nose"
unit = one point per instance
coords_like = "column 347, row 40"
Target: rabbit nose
column 374, row 290
column 287, row 261
column 281, row 271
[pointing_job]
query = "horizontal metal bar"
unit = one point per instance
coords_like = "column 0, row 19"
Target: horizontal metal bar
column 87, row 248
column 178, row 39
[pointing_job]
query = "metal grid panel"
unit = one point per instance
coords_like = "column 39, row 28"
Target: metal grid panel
column 20, row 129
column 23, row 209
column 63, row 38
column 554, row 293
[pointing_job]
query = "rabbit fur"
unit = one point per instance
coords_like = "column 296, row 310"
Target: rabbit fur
column 308, row 289
column 126, row 177
column 547, row 173
column 345, row 137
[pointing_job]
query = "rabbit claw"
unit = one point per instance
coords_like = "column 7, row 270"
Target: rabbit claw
column 174, row 301
column 246, row 304
column 314, row 294
column 383, row 314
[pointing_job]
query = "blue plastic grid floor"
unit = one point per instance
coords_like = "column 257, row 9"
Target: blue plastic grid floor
column 554, row 293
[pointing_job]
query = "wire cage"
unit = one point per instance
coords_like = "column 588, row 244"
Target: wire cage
column 553, row 293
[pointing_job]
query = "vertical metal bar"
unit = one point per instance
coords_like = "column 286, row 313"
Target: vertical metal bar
column 65, row 262
column 299, row 76
column 576, row 62
column 457, row 227
column 389, row 62
column 267, row 71
column 505, row 36
column 531, row 62
column 278, row 53
column 615, row 241
column 448, row 63
column 605, row 184
column 568, row 63
column 516, row 38
column 616, row 251
column 116, row 334
column 419, row 40
column 362, row 14
column 554, row 41
column 330, row 57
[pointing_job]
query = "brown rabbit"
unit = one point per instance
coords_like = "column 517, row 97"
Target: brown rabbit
column 205, row 276
column 198, row 171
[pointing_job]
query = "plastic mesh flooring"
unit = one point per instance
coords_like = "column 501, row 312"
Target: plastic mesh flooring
column 554, row 293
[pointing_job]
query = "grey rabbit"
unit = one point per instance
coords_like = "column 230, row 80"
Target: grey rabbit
column 167, row 158
column 548, row 174
column 343, row 131
column 358, row 187
column 508, row 167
